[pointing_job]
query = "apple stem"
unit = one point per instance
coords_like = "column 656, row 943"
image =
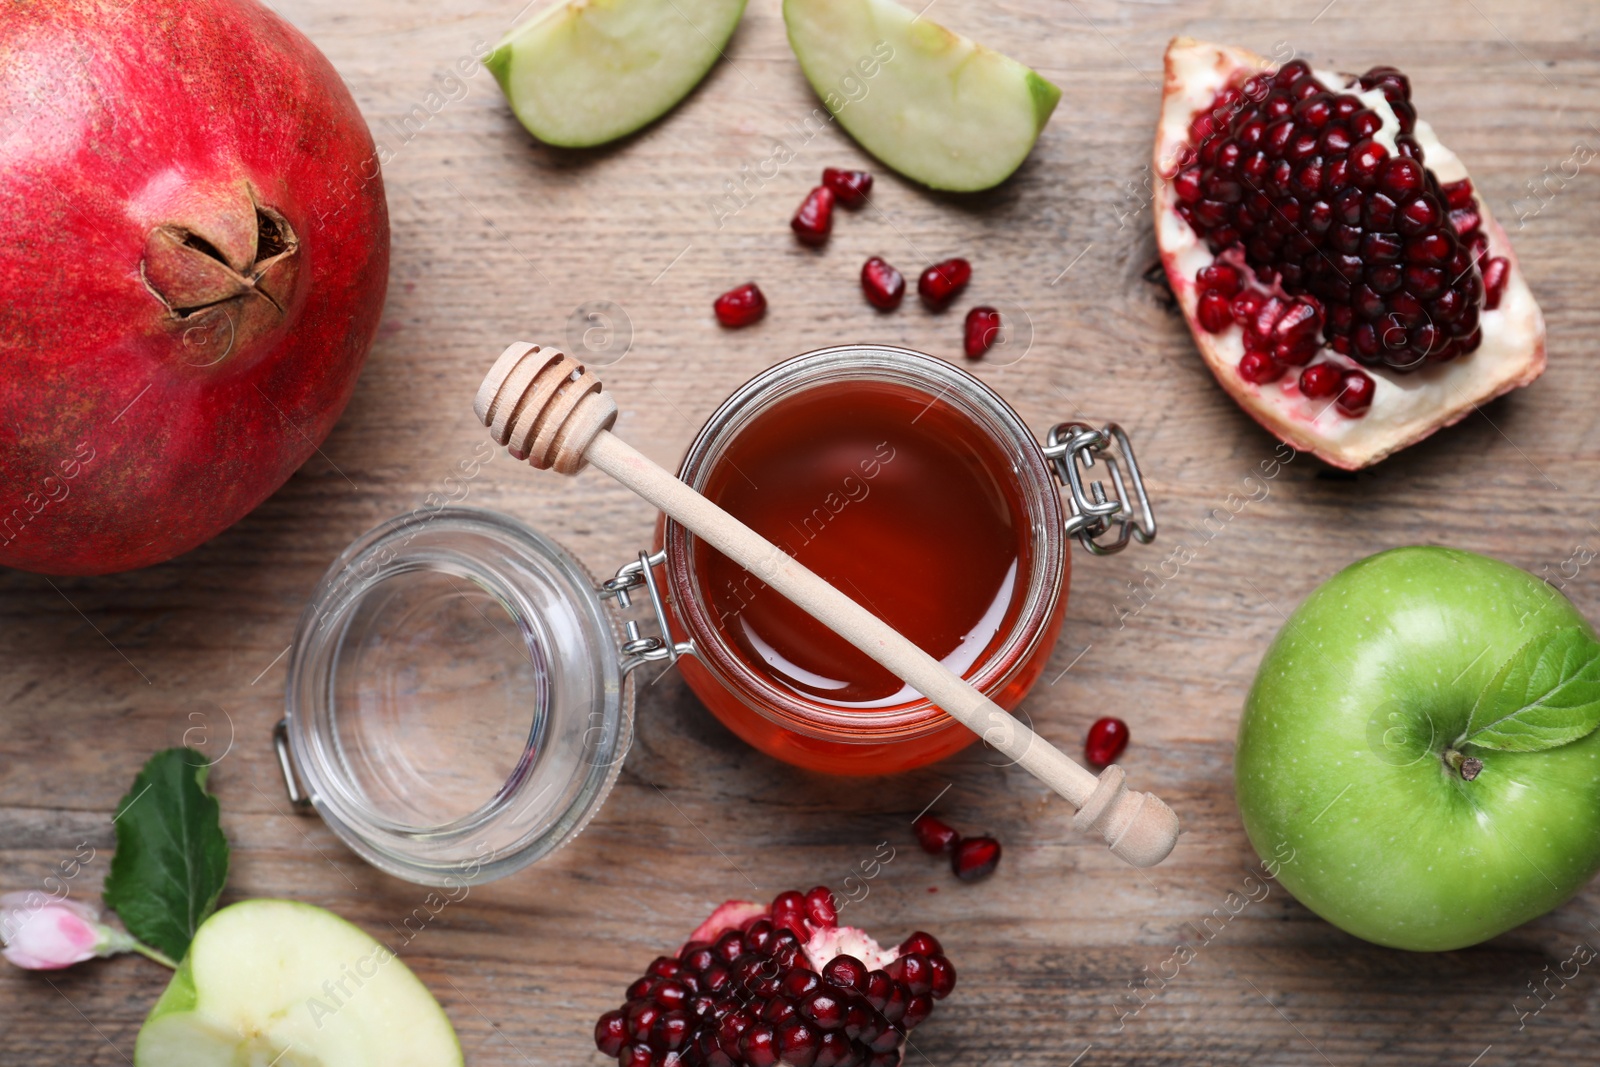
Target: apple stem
column 154, row 954
column 1468, row 767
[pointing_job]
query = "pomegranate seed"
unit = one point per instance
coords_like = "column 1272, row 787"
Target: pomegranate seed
column 982, row 330
column 921, row 944
column 1258, row 368
column 638, row 1056
column 740, row 307
column 1496, row 272
column 975, row 857
column 1357, row 395
column 850, row 186
column 943, row 282
column 1214, row 311
column 1105, row 741
column 758, row 1045
column 943, row 978
column 934, row 836
column 611, row 1033
column 1217, row 277
column 814, row 220
column 1321, row 380
column 846, row 972
column 884, row 286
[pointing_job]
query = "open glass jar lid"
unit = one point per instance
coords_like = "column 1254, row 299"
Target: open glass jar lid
column 457, row 704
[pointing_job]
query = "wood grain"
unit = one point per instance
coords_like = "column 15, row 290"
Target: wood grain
column 497, row 238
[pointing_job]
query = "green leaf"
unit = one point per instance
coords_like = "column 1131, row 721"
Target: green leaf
column 172, row 858
column 1546, row 695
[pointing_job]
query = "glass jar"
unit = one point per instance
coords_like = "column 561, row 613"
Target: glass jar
column 459, row 704
column 794, row 725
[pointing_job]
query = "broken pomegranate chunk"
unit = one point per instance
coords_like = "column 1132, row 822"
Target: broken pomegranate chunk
column 1309, row 219
column 814, row 220
column 741, row 306
column 851, row 187
column 785, row 984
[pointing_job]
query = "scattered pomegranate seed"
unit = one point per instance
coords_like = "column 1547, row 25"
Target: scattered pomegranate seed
column 1259, row 368
column 851, row 186
column 934, row 836
column 943, row 282
column 975, row 857
column 1286, row 172
column 740, row 307
column 1357, row 395
column 814, row 220
column 884, row 286
column 1321, row 380
column 1105, row 742
column 1496, row 272
column 981, row 331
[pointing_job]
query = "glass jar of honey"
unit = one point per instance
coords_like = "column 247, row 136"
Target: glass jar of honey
column 913, row 487
column 459, row 702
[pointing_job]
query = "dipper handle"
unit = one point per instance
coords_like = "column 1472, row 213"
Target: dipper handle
column 548, row 409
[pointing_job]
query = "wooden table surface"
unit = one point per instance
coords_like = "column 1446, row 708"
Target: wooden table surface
column 498, row 238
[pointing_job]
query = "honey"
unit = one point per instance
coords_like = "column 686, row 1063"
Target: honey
column 899, row 500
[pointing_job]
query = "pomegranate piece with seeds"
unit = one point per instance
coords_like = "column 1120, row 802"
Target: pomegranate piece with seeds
column 850, row 187
column 884, row 286
column 1308, row 219
column 974, row 858
column 943, row 282
column 980, row 332
column 740, row 307
column 781, row 984
column 934, row 835
column 814, row 220
column 1105, row 741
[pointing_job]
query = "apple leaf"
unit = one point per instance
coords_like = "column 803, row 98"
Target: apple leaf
column 1546, row 695
column 172, row 858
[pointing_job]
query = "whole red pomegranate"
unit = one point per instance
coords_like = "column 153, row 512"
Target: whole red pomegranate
column 195, row 257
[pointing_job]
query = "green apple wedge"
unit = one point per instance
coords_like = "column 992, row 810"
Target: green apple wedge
column 291, row 985
column 939, row 108
column 1355, row 755
column 584, row 72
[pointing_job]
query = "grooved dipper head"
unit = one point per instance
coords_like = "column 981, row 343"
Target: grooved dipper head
column 544, row 406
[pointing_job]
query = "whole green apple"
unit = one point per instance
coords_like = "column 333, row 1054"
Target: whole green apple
column 1363, row 749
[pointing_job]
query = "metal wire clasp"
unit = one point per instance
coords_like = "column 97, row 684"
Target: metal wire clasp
column 638, row 649
column 1072, row 448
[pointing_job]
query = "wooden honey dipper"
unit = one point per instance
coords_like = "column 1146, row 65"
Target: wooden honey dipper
column 546, row 408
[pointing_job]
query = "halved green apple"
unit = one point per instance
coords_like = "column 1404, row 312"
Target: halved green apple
column 937, row 107
column 291, row 985
column 584, row 72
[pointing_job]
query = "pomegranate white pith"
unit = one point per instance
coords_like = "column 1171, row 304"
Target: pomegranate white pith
column 1405, row 407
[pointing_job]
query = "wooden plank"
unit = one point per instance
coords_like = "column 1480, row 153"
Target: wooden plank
column 497, row 238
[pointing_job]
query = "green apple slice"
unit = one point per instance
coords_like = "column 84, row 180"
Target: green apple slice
column 937, row 107
column 585, row 72
column 291, row 985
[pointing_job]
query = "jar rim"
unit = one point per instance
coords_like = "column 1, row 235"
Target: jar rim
column 573, row 754
column 988, row 411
